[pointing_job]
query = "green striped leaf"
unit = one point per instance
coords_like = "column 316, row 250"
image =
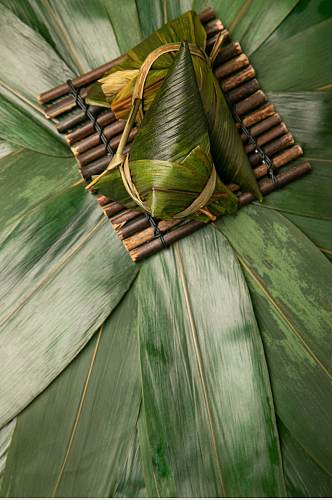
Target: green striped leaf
column 293, row 307
column 303, row 475
column 281, row 69
column 210, row 428
column 44, row 269
column 88, row 417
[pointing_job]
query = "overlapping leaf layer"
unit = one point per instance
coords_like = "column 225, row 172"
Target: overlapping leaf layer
column 172, row 395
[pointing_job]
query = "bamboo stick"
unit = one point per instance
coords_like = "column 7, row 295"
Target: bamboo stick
column 95, row 167
column 282, row 179
column 213, row 27
column 243, row 91
column 112, row 209
column 93, row 140
column 100, row 150
column 80, row 81
column 273, row 147
column 258, row 115
column 266, row 186
column 229, row 67
column 235, row 80
column 134, row 226
column 231, row 50
column 250, row 103
column 96, row 153
column 98, row 166
column 210, row 41
column 63, row 105
column 263, row 126
column 155, row 245
column 123, row 217
column 271, row 134
column 206, row 15
column 287, row 156
column 103, row 200
column 75, row 119
column 105, row 118
column 148, row 234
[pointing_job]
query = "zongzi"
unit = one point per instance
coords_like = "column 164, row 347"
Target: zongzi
column 115, row 90
column 169, row 171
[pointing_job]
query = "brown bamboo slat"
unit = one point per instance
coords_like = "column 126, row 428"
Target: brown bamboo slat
column 263, row 126
column 271, row 134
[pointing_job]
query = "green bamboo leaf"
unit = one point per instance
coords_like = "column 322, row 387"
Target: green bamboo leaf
column 229, row 10
column 25, row 52
column 97, row 96
column 309, row 63
column 309, row 197
column 174, row 8
column 43, row 268
column 51, row 233
column 253, row 22
column 304, row 477
column 25, row 12
column 6, row 148
column 205, row 384
column 40, row 177
column 88, row 417
column 146, row 457
column 152, row 15
column 305, row 15
column 284, row 270
column 187, row 27
column 293, row 308
column 175, row 122
column 63, row 24
column 132, row 484
column 307, row 202
column 309, row 116
column 6, row 435
column 318, row 230
column 25, row 127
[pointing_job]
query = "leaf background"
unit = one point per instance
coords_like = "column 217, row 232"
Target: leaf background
column 283, row 247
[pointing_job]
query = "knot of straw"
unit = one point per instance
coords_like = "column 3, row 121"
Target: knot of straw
column 121, row 160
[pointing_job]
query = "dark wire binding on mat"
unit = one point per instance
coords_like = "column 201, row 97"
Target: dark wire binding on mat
column 265, row 158
column 154, row 224
column 98, row 128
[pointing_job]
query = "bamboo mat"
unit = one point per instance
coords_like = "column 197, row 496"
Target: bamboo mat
column 93, row 132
